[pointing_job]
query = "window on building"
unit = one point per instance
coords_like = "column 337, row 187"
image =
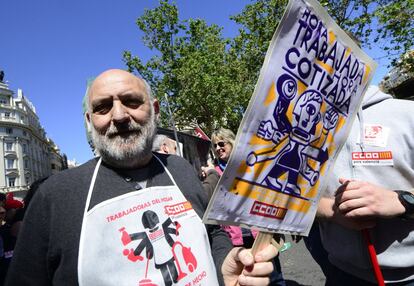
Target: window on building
column 24, row 133
column 24, row 146
column 27, row 179
column 9, row 146
column 10, row 163
column 26, row 164
column 7, row 114
column 12, row 182
column 3, row 101
column 53, row 166
column 9, row 130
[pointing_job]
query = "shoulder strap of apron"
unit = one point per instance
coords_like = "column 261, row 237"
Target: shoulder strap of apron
column 87, row 203
column 166, row 170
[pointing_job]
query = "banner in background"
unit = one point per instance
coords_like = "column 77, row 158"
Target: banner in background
column 300, row 114
column 200, row 133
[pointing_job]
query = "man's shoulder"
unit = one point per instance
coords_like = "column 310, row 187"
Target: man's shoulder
column 81, row 170
column 181, row 170
column 186, row 178
column 392, row 103
column 70, row 178
column 173, row 161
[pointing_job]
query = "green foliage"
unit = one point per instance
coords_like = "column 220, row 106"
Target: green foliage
column 191, row 68
column 247, row 51
column 386, row 24
column 209, row 79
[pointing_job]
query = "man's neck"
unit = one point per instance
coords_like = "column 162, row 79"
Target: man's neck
column 130, row 163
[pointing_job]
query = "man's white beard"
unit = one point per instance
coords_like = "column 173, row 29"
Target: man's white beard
column 128, row 150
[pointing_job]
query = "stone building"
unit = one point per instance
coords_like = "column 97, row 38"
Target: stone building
column 400, row 80
column 28, row 155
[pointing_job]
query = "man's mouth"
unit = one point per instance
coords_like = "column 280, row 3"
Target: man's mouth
column 123, row 133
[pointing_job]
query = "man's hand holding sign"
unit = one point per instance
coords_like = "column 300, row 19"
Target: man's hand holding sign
column 240, row 260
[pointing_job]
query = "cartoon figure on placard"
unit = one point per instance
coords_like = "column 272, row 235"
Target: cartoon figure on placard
column 286, row 88
column 169, row 255
column 292, row 158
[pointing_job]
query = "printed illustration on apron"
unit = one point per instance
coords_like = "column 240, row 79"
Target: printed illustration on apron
column 171, row 257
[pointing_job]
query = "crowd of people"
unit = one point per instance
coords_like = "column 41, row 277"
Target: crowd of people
column 81, row 223
column 10, row 218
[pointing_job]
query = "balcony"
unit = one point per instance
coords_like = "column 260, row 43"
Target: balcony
column 13, row 119
column 13, row 170
column 19, row 191
column 10, row 154
column 8, row 119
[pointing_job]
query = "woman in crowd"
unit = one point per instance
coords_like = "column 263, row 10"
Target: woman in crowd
column 222, row 141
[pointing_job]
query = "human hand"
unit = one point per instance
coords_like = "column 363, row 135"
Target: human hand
column 328, row 210
column 358, row 199
column 241, row 267
column 206, row 169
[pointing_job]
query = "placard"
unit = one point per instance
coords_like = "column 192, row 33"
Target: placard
column 307, row 96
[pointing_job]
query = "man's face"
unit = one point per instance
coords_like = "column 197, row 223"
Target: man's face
column 172, row 147
column 122, row 118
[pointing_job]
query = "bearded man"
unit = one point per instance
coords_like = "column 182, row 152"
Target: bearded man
column 85, row 225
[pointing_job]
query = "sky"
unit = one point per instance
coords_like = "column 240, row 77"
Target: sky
column 50, row 48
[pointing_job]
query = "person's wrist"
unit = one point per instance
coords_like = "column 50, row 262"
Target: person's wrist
column 406, row 204
column 326, row 209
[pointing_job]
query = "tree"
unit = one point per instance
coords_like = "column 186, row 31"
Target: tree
column 386, row 24
column 209, row 79
column 191, row 68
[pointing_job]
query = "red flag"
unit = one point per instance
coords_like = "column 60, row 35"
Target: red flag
column 200, row 133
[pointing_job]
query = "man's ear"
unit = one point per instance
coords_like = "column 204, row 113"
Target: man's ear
column 156, row 106
column 88, row 121
column 165, row 149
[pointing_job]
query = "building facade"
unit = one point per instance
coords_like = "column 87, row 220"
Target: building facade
column 400, row 80
column 28, row 155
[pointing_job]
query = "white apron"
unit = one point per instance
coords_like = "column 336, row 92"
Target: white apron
column 149, row 237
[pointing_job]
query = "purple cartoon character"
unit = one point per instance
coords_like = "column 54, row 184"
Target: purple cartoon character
column 301, row 132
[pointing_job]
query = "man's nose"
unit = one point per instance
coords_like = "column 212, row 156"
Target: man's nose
column 120, row 113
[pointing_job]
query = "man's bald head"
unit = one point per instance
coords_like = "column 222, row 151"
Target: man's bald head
column 113, row 74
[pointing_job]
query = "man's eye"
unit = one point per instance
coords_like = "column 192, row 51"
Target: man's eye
column 102, row 108
column 133, row 103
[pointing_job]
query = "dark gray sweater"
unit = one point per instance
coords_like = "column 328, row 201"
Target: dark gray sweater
column 47, row 248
